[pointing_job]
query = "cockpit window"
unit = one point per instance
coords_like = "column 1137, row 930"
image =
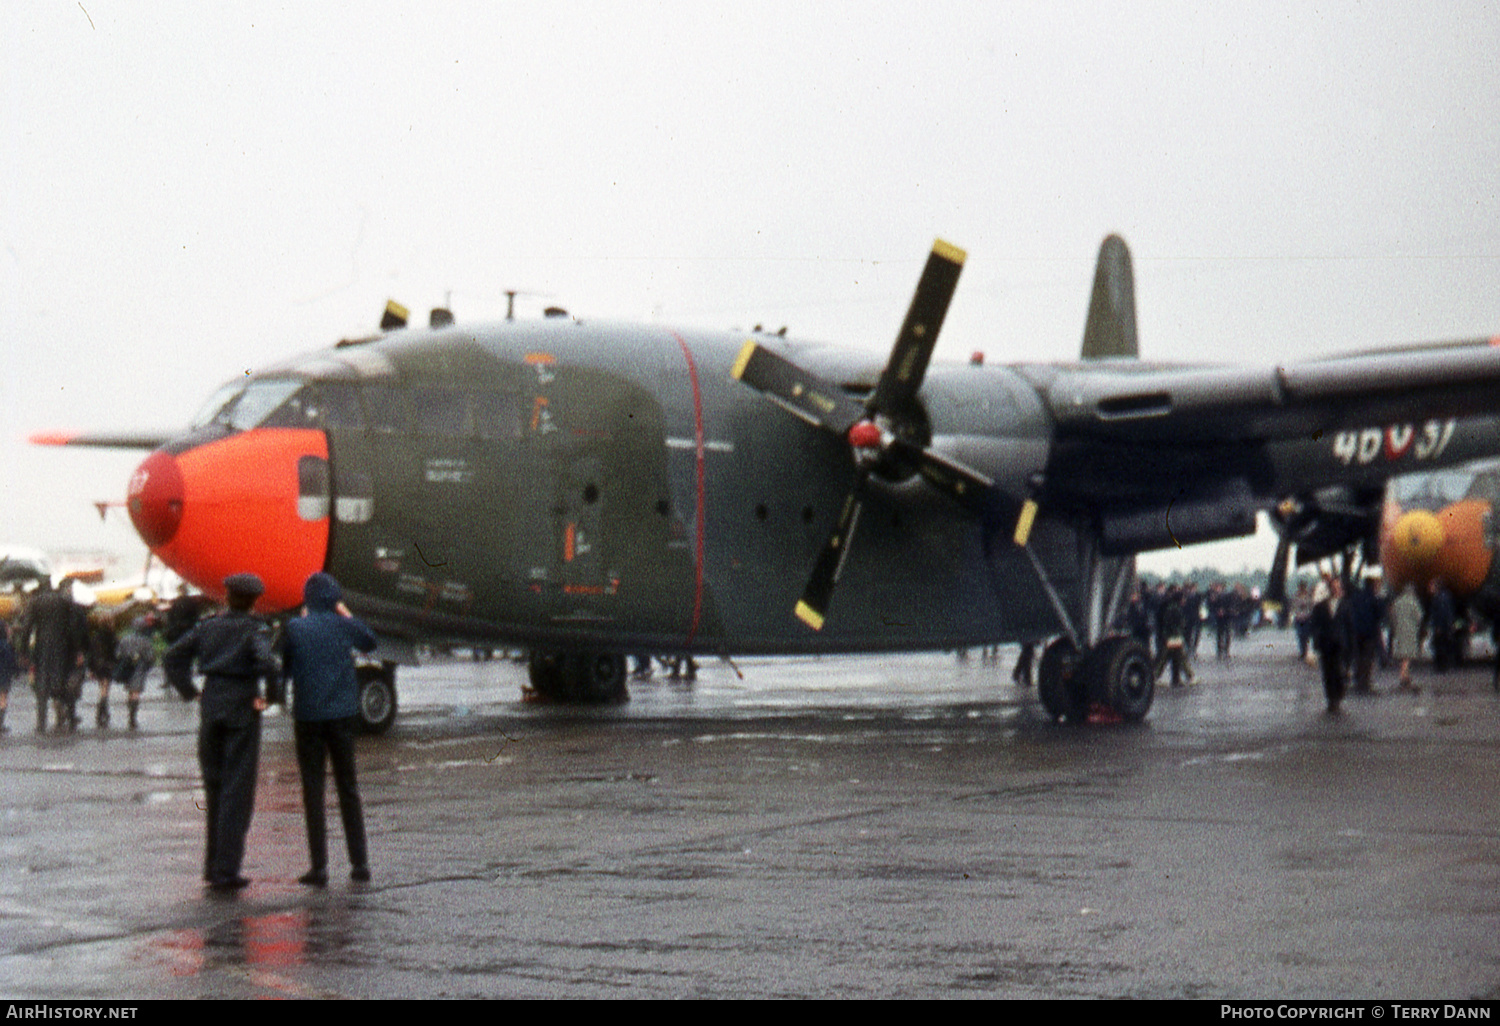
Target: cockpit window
column 209, row 413
column 1486, row 485
column 1432, row 491
column 438, row 412
column 241, row 408
column 319, row 404
column 339, row 401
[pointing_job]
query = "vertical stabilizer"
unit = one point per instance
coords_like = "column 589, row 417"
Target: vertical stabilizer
column 1110, row 330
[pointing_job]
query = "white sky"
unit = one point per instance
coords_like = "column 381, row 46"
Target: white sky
column 191, row 190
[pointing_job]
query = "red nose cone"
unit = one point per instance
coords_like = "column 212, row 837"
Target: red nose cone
column 253, row 502
column 155, row 499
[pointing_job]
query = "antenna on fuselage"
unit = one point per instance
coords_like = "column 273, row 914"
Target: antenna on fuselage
column 510, row 300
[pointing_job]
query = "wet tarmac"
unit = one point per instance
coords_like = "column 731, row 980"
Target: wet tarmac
column 895, row 827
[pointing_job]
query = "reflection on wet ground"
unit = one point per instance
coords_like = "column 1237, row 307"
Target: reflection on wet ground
column 875, row 827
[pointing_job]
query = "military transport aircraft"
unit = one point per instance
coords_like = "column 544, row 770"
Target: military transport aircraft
column 592, row 490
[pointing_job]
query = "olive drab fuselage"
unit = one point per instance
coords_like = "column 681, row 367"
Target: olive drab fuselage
column 555, row 483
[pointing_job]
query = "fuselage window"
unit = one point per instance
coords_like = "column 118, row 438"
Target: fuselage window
column 340, row 406
column 385, row 409
column 437, row 412
column 496, row 416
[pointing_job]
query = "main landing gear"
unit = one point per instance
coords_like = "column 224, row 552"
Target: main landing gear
column 580, row 677
column 1109, row 678
column 1113, row 681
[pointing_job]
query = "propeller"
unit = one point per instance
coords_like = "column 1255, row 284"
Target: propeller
column 1276, row 585
column 888, row 433
column 395, row 316
column 1334, row 521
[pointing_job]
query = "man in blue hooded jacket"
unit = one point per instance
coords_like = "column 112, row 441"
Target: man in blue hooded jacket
column 317, row 660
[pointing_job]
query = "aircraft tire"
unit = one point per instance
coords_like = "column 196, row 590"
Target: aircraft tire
column 598, row 678
column 546, row 674
column 377, row 698
column 1057, row 684
column 581, row 677
column 1119, row 674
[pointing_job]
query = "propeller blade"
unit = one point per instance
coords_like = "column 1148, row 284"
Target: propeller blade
column 395, row 316
column 800, row 392
column 1024, row 522
column 914, row 344
column 812, row 608
column 1276, row 586
column 953, row 478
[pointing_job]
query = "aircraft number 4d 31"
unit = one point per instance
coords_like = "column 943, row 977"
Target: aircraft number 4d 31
column 589, row 491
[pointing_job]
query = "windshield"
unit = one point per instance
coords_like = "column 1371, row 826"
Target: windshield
column 1431, row 491
column 240, row 408
column 210, row 410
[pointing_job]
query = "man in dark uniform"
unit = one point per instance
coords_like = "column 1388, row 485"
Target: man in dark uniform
column 53, row 636
column 234, row 653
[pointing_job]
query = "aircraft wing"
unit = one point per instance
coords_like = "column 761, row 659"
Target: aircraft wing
column 1160, row 455
column 106, row 439
column 1137, row 402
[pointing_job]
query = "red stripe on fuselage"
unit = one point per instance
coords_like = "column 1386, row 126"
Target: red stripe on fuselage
column 692, row 367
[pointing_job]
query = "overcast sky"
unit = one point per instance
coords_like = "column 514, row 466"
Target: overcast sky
column 193, row 190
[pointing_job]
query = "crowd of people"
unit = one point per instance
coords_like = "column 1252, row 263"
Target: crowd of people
column 1348, row 632
column 63, row 642
column 1170, row 620
column 245, row 664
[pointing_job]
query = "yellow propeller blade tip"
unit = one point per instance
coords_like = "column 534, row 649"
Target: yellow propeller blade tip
column 746, row 351
column 949, row 252
column 810, row 616
column 1024, row 522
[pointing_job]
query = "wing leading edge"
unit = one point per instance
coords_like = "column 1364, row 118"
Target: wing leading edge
column 1141, row 403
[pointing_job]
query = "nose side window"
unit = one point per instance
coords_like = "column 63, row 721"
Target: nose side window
column 312, row 488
